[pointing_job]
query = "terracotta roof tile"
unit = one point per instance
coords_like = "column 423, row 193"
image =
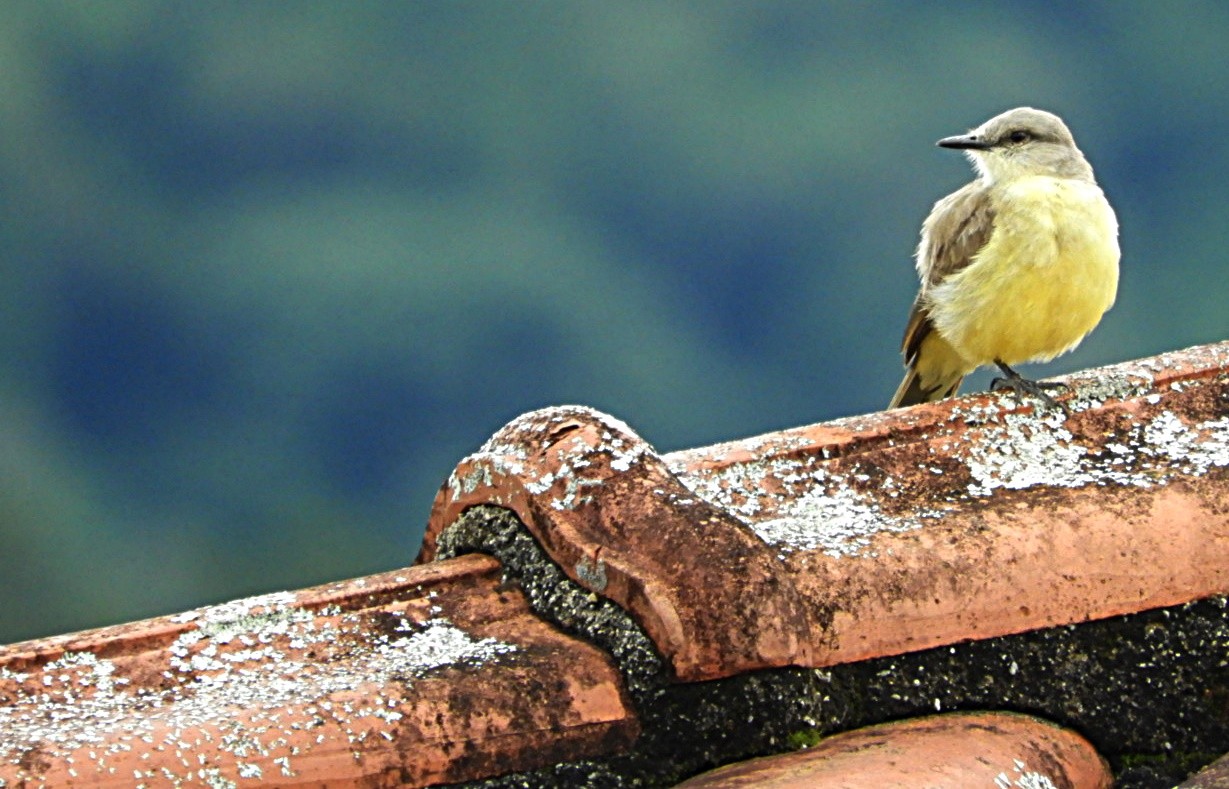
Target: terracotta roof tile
column 997, row 750
column 402, row 679
column 747, row 598
column 886, row 533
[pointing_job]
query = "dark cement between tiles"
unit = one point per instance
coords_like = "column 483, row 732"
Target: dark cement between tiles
column 1150, row 690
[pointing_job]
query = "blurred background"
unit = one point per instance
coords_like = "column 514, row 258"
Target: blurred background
column 270, row 270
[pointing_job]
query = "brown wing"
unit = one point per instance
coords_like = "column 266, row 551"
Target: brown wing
column 958, row 227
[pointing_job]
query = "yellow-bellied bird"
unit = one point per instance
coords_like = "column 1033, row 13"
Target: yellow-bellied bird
column 1017, row 266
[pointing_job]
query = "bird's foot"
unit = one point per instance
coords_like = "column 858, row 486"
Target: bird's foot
column 1021, row 386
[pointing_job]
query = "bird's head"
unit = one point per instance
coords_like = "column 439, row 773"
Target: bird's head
column 1022, row 142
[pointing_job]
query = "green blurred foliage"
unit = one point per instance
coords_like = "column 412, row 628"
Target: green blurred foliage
column 271, row 269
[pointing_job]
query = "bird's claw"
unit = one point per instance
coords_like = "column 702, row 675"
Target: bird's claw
column 1022, row 386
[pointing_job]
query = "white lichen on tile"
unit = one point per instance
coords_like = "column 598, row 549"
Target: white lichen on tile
column 578, row 463
column 1113, row 384
column 481, row 471
column 235, row 685
column 807, row 501
column 786, row 440
column 1023, row 451
column 839, row 523
column 794, row 506
column 1021, row 777
column 1195, row 449
column 748, row 490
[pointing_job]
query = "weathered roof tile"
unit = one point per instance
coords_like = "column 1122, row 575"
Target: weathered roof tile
column 957, row 750
column 833, row 546
column 885, row 533
column 401, row 679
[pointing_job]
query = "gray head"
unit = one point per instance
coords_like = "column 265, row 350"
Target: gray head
column 1023, row 141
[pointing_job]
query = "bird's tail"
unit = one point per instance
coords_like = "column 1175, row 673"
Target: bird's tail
column 912, row 391
column 933, row 372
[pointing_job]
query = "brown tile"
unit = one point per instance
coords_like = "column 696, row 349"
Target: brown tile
column 998, row 750
column 887, row 533
column 827, row 544
column 407, row 678
column 611, row 513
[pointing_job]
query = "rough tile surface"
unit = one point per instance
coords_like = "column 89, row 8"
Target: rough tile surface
column 882, row 534
column 402, row 679
column 954, row 751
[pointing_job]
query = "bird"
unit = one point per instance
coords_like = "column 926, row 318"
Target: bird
column 1017, row 266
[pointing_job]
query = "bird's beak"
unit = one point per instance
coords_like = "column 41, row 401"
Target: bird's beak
column 964, row 142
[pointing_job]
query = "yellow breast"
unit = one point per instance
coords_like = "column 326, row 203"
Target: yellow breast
column 1042, row 282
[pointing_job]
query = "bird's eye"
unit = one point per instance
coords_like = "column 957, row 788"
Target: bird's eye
column 1018, row 135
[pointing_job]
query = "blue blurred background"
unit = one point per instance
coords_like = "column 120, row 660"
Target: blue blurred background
column 270, row 270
